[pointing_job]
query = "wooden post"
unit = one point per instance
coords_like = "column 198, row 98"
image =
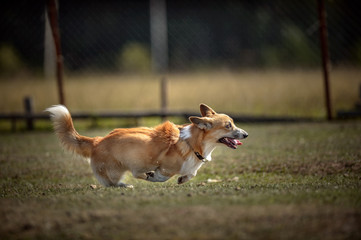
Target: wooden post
column 28, row 107
column 324, row 55
column 53, row 19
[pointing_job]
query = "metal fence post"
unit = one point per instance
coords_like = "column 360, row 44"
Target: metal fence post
column 159, row 46
column 28, row 107
column 324, row 55
column 159, row 35
column 53, row 19
column 164, row 96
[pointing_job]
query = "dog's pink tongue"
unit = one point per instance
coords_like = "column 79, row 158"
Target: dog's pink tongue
column 238, row 142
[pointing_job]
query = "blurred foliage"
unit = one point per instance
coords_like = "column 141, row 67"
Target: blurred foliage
column 134, row 57
column 10, row 60
column 229, row 34
column 298, row 47
column 358, row 52
column 294, row 49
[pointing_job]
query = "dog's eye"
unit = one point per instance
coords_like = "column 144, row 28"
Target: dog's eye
column 229, row 125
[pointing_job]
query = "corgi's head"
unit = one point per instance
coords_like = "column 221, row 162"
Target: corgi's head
column 219, row 128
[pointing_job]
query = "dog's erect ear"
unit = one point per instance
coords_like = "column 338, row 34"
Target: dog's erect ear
column 202, row 122
column 206, row 111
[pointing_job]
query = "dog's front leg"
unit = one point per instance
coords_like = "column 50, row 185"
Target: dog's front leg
column 156, row 176
column 140, row 175
column 185, row 178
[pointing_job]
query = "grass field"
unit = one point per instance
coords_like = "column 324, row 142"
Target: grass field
column 291, row 181
column 270, row 92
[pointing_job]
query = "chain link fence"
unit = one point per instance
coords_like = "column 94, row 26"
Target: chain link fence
column 267, row 54
column 115, row 35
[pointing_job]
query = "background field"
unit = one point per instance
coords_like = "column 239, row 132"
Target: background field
column 256, row 58
column 271, row 92
column 292, row 181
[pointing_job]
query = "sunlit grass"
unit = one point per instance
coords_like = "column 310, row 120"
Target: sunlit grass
column 272, row 92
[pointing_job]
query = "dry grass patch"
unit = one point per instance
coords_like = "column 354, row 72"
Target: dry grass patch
column 272, row 92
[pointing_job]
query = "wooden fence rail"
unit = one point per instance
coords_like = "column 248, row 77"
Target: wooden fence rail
column 30, row 117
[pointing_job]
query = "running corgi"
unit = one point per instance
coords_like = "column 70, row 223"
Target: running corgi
column 153, row 154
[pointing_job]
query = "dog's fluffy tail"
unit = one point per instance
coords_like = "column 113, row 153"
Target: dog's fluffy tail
column 68, row 136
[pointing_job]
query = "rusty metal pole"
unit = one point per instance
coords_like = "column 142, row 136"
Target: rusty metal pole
column 53, row 19
column 324, row 55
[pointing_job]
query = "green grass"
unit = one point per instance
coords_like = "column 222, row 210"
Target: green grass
column 292, row 181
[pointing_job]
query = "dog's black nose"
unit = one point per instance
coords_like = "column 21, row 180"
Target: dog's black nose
column 245, row 134
column 240, row 134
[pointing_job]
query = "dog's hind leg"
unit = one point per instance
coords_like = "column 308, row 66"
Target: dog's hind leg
column 116, row 176
column 124, row 185
column 115, row 173
column 100, row 173
column 108, row 173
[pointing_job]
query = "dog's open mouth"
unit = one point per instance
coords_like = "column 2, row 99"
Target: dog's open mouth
column 230, row 142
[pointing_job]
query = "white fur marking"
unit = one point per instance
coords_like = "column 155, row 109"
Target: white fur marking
column 185, row 132
column 57, row 112
column 191, row 166
column 208, row 154
column 208, row 149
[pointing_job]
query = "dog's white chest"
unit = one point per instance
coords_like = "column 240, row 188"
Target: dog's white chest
column 191, row 166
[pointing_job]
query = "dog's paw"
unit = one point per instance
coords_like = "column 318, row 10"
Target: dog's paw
column 150, row 175
column 181, row 179
column 124, row 185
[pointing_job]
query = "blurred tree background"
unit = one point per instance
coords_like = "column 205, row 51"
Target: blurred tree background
column 115, row 35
